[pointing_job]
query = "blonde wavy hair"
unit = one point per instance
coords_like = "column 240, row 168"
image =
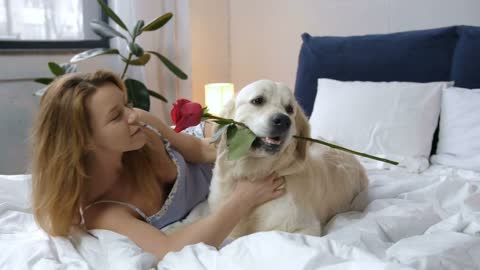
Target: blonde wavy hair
column 60, row 137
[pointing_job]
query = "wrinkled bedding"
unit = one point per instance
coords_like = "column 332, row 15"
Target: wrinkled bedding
column 403, row 221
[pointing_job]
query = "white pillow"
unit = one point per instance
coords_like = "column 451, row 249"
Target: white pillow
column 394, row 120
column 459, row 136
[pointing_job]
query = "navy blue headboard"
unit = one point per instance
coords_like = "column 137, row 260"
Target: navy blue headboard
column 441, row 54
column 414, row 56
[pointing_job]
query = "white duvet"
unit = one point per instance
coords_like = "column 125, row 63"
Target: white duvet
column 404, row 221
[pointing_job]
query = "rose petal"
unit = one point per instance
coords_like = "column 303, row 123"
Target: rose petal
column 186, row 114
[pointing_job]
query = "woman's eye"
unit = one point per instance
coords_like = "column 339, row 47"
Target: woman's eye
column 117, row 116
column 257, row 101
column 289, row 109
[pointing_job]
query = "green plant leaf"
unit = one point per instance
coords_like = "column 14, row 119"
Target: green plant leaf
column 56, row 69
column 140, row 61
column 136, row 49
column 230, row 132
column 44, row 80
column 92, row 53
column 158, row 22
column 157, row 95
column 177, row 71
column 137, row 94
column 138, row 28
column 239, row 141
column 69, row 67
column 112, row 14
column 103, row 29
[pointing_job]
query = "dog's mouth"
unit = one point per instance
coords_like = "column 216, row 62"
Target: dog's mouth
column 269, row 144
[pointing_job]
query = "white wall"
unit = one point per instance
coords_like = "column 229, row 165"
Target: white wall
column 265, row 34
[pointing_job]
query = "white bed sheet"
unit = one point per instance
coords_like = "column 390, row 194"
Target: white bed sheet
column 404, row 221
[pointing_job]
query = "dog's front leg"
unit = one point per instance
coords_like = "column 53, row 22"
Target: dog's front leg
column 220, row 191
column 314, row 230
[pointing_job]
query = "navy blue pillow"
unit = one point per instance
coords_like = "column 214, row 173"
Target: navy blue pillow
column 466, row 60
column 415, row 56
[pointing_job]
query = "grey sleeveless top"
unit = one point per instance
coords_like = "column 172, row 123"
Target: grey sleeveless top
column 190, row 188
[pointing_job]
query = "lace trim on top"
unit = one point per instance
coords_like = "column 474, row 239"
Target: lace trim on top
column 172, row 193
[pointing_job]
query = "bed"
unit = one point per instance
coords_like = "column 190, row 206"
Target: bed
column 417, row 216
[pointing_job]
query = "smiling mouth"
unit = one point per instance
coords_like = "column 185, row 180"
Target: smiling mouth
column 269, row 144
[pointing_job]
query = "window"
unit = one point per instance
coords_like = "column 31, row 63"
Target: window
column 49, row 24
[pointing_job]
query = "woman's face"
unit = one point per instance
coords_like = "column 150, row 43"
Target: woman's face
column 114, row 124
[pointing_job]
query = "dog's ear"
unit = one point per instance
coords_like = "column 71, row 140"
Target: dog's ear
column 228, row 110
column 303, row 129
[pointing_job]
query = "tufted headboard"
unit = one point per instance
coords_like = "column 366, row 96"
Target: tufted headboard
column 441, row 54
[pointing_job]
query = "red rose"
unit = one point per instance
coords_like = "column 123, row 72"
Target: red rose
column 186, row 114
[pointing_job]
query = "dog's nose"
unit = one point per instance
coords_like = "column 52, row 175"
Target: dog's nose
column 280, row 122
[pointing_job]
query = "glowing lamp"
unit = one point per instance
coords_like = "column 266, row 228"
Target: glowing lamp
column 216, row 95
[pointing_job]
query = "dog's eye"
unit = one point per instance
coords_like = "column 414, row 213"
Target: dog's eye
column 289, row 109
column 257, row 101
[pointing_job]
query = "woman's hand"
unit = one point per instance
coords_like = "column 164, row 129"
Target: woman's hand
column 252, row 193
column 193, row 149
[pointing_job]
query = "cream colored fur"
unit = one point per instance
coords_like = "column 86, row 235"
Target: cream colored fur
column 320, row 181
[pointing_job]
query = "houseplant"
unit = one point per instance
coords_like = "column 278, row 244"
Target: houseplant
column 138, row 93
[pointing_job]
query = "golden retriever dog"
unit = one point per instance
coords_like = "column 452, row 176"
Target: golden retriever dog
column 320, row 181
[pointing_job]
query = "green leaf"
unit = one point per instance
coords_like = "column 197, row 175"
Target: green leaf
column 69, row 67
column 92, row 53
column 112, row 14
column 142, row 60
column 177, row 71
column 103, row 29
column 138, row 28
column 239, row 141
column 56, row 69
column 137, row 94
column 231, row 131
column 136, row 49
column 44, row 80
column 157, row 95
column 158, row 22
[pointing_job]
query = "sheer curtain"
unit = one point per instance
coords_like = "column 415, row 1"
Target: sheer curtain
column 172, row 41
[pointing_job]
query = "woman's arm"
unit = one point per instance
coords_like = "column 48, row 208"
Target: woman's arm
column 211, row 230
column 193, row 149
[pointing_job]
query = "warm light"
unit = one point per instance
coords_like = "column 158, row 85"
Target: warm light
column 216, row 95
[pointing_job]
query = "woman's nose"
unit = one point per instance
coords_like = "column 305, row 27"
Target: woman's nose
column 132, row 116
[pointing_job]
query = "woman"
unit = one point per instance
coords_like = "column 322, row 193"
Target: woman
column 94, row 165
